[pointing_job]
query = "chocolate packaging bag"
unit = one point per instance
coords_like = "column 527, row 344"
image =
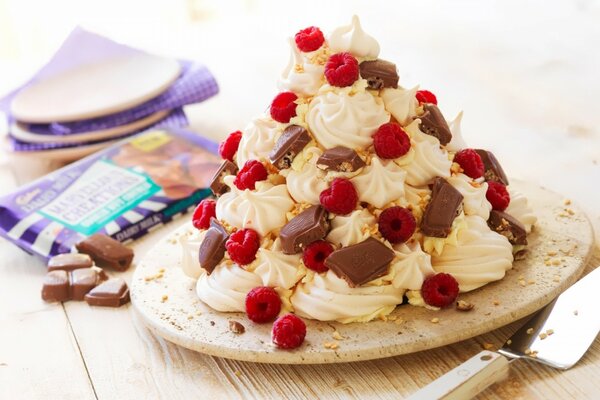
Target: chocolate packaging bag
column 123, row 191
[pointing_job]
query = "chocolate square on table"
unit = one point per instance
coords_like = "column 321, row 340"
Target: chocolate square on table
column 217, row 185
column 106, row 252
column 442, row 209
column 508, row 226
column 69, row 262
column 492, row 169
column 434, row 124
column 112, row 293
column 61, row 285
column 341, row 159
column 362, row 262
column 291, row 142
column 306, row 227
column 212, row 248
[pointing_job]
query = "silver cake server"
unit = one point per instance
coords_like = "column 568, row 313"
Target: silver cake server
column 558, row 335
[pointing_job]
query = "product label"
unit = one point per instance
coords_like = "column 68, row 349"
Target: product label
column 101, row 194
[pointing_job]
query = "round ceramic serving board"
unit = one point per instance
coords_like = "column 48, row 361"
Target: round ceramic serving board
column 94, row 90
column 19, row 131
column 171, row 309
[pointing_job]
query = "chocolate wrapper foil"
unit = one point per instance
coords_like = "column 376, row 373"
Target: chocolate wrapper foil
column 124, row 191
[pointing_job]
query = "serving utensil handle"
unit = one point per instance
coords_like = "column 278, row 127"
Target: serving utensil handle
column 468, row 379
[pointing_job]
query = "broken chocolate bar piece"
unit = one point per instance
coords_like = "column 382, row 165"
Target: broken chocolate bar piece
column 112, row 293
column 508, row 226
column 60, row 285
column 291, row 142
column 212, row 249
column 493, row 169
column 443, row 208
column 379, row 74
column 69, row 262
column 217, row 185
column 434, row 124
column 361, row 262
column 341, row 159
column 306, row 227
column 106, row 252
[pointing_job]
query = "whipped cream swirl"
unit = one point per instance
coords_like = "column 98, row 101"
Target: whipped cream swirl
column 263, row 209
column 338, row 118
column 350, row 229
column 225, row 289
column 519, row 208
column 428, row 160
column 353, row 39
column 411, row 266
column 190, row 242
column 306, row 185
column 300, row 76
column 276, row 269
column 380, row 183
column 401, row 103
column 474, row 200
column 326, row 297
column 479, row 257
column 258, row 139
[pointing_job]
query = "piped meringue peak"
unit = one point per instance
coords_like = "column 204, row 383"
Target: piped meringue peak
column 359, row 175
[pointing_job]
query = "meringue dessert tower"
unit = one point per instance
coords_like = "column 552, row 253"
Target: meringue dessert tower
column 349, row 193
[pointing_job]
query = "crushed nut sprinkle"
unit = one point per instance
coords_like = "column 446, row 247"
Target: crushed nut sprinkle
column 488, row 346
column 331, row 345
column 529, row 331
column 462, row 305
column 236, row 327
column 435, row 320
column 337, row 336
column 164, row 298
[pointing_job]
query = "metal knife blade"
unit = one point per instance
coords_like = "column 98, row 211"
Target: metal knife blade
column 560, row 334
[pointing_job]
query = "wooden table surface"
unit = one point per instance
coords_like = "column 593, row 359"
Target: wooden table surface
column 524, row 72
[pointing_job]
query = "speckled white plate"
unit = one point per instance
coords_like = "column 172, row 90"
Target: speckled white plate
column 183, row 319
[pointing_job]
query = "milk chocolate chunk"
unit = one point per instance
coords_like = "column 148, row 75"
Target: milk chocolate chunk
column 69, row 262
column 340, row 159
column 217, row 185
column 291, row 142
column 306, row 227
column 493, row 169
column 508, row 226
column 443, row 208
column 60, row 285
column 379, row 74
column 361, row 262
column 112, row 293
column 434, row 124
column 212, row 248
column 106, row 252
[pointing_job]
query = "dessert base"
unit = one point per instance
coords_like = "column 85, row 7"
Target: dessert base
column 170, row 307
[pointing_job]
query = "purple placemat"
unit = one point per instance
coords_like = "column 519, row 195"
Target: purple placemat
column 175, row 119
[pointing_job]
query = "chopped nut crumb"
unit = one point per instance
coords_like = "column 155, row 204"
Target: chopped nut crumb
column 336, row 335
column 462, row 305
column 164, row 298
column 549, row 332
column 556, row 261
column 435, row 320
column 522, row 283
column 529, row 331
column 552, row 253
column 543, row 336
column 331, row 345
column 236, row 327
column 190, row 317
column 161, row 270
column 527, row 351
column 509, row 341
column 567, row 202
column 488, row 346
column 237, row 373
column 496, row 302
column 530, row 282
column 556, row 278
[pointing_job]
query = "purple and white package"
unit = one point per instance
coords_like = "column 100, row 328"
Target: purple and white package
column 124, row 191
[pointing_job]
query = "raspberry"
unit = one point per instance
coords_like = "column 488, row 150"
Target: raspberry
column 497, row 195
column 470, row 162
column 425, row 96
column 340, row 198
column 242, row 246
column 341, row 70
column 288, row 331
column 262, row 304
column 309, row 39
column 391, row 141
column 439, row 290
column 203, row 212
column 229, row 146
column 252, row 172
column 315, row 254
column 397, row 224
column 283, row 107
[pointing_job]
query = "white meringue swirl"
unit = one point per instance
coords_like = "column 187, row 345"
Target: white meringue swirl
column 190, row 242
column 479, row 257
column 401, row 103
column 225, row 289
column 350, row 229
column 326, row 297
column 258, row 139
column 519, row 208
column 457, row 142
column 306, row 185
column 410, row 267
column 300, row 76
column 474, row 200
column 337, row 118
column 380, row 183
column 353, row 39
column 263, row 209
column 276, row 269
column 429, row 159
